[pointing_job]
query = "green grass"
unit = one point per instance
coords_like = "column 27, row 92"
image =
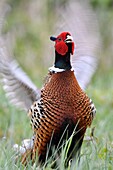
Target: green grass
column 14, row 124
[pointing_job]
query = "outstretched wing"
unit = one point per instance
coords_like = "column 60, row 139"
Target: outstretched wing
column 79, row 19
column 19, row 88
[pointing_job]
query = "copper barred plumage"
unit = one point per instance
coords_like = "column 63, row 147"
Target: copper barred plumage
column 62, row 100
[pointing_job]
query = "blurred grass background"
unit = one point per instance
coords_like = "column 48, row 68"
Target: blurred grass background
column 30, row 23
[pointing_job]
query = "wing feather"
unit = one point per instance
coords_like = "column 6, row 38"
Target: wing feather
column 21, row 91
column 80, row 20
column 18, row 87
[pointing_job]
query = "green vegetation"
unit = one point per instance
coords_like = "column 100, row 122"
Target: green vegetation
column 14, row 124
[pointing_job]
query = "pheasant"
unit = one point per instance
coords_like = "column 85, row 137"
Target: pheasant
column 61, row 109
column 63, row 104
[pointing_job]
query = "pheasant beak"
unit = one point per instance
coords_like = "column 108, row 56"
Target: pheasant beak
column 69, row 39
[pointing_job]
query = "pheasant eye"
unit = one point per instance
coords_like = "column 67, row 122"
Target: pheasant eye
column 59, row 39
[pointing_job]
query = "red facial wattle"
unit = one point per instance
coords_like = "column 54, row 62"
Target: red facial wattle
column 61, row 46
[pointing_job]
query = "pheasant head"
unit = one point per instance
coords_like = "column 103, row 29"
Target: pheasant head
column 64, row 46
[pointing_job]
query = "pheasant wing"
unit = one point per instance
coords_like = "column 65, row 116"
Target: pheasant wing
column 79, row 19
column 18, row 86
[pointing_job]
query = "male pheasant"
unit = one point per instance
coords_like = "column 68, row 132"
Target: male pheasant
column 61, row 109
column 63, row 106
